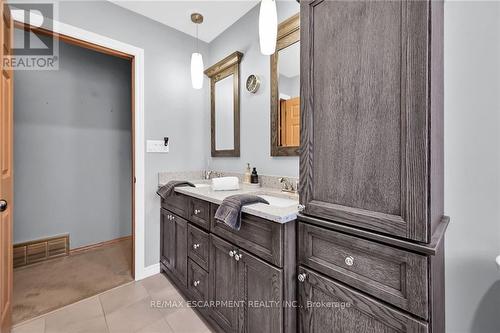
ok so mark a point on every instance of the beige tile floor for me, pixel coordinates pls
(127, 308)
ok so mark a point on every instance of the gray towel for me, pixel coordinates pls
(229, 211)
(168, 189)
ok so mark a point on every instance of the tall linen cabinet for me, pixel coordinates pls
(371, 233)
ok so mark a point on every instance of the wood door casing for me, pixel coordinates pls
(6, 171)
(365, 121)
(328, 306)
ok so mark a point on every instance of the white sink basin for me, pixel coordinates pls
(279, 202)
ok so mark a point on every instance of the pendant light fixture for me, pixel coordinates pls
(268, 26)
(196, 57)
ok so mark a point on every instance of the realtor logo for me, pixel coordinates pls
(35, 47)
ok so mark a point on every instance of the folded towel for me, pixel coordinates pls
(229, 211)
(225, 184)
(168, 189)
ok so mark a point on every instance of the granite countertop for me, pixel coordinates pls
(280, 212)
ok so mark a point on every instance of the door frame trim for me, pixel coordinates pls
(114, 47)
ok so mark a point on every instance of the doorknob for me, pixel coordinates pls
(3, 205)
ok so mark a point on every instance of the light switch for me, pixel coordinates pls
(157, 146)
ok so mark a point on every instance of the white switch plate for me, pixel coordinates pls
(157, 146)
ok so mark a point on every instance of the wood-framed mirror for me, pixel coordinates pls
(285, 89)
(225, 106)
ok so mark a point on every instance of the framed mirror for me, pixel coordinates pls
(225, 106)
(285, 90)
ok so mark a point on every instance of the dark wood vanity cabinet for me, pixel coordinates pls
(334, 307)
(173, 231)
(371, 233)
(259, 289)
(372, 114)
(248, 276)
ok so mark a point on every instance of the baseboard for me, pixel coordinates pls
(148, 271)
(97, 245)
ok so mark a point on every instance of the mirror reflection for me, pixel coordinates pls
(285, 89)
(289, 95)
(224, 115)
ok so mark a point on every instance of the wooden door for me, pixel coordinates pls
(6, 172)
(260, 287)
(223, 283)
(290, 122)
(174, 245)
(365, 116)
(327, 306)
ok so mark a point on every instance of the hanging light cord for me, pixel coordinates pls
(197, 48)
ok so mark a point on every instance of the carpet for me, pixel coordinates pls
(49, 285)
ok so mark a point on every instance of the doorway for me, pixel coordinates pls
(72, 179)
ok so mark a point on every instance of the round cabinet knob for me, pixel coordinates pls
(301, 277)
(231, 253)
(237, 257)
(3, 205)
(197, 211)
(349, 261)
(196, 283)
(196, 246)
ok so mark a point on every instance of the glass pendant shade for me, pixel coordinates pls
(268, 26)
(197, 70)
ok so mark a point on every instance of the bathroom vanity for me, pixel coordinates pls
(241, 280)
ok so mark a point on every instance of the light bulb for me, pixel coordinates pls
(268, 26)
(197, 70)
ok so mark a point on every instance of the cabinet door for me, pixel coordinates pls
(365, 121)
(328, 306)
(174, 245)
(223, 284)
(260, 287)
(167, 239)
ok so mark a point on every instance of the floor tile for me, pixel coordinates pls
(82, 317)
(168, 301)
(159, 326)
(123, 296)
(186, 321)
(33, 326)
(157, 283)
(133, 317)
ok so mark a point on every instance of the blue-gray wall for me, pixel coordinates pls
(172, 107)
(255, 109)
(72, 148)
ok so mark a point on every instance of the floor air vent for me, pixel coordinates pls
(39, 250)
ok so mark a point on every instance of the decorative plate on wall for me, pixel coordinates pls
(253, 83)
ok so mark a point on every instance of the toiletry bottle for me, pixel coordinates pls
(248, 175)
(255, 177)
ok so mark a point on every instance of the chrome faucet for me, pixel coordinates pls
(286, 185)
(209, 174)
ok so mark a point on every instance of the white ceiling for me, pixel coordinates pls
(218, 15)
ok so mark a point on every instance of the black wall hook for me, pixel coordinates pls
(166, 140)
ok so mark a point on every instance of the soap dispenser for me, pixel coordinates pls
(248, 175)
(254, 179)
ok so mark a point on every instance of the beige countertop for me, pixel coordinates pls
(283, 206)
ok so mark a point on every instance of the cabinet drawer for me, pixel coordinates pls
(197, 281)
(328, 306)
(396, 276)
(176, 203)
(256, 235)
(198, 246)
(199, 213)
